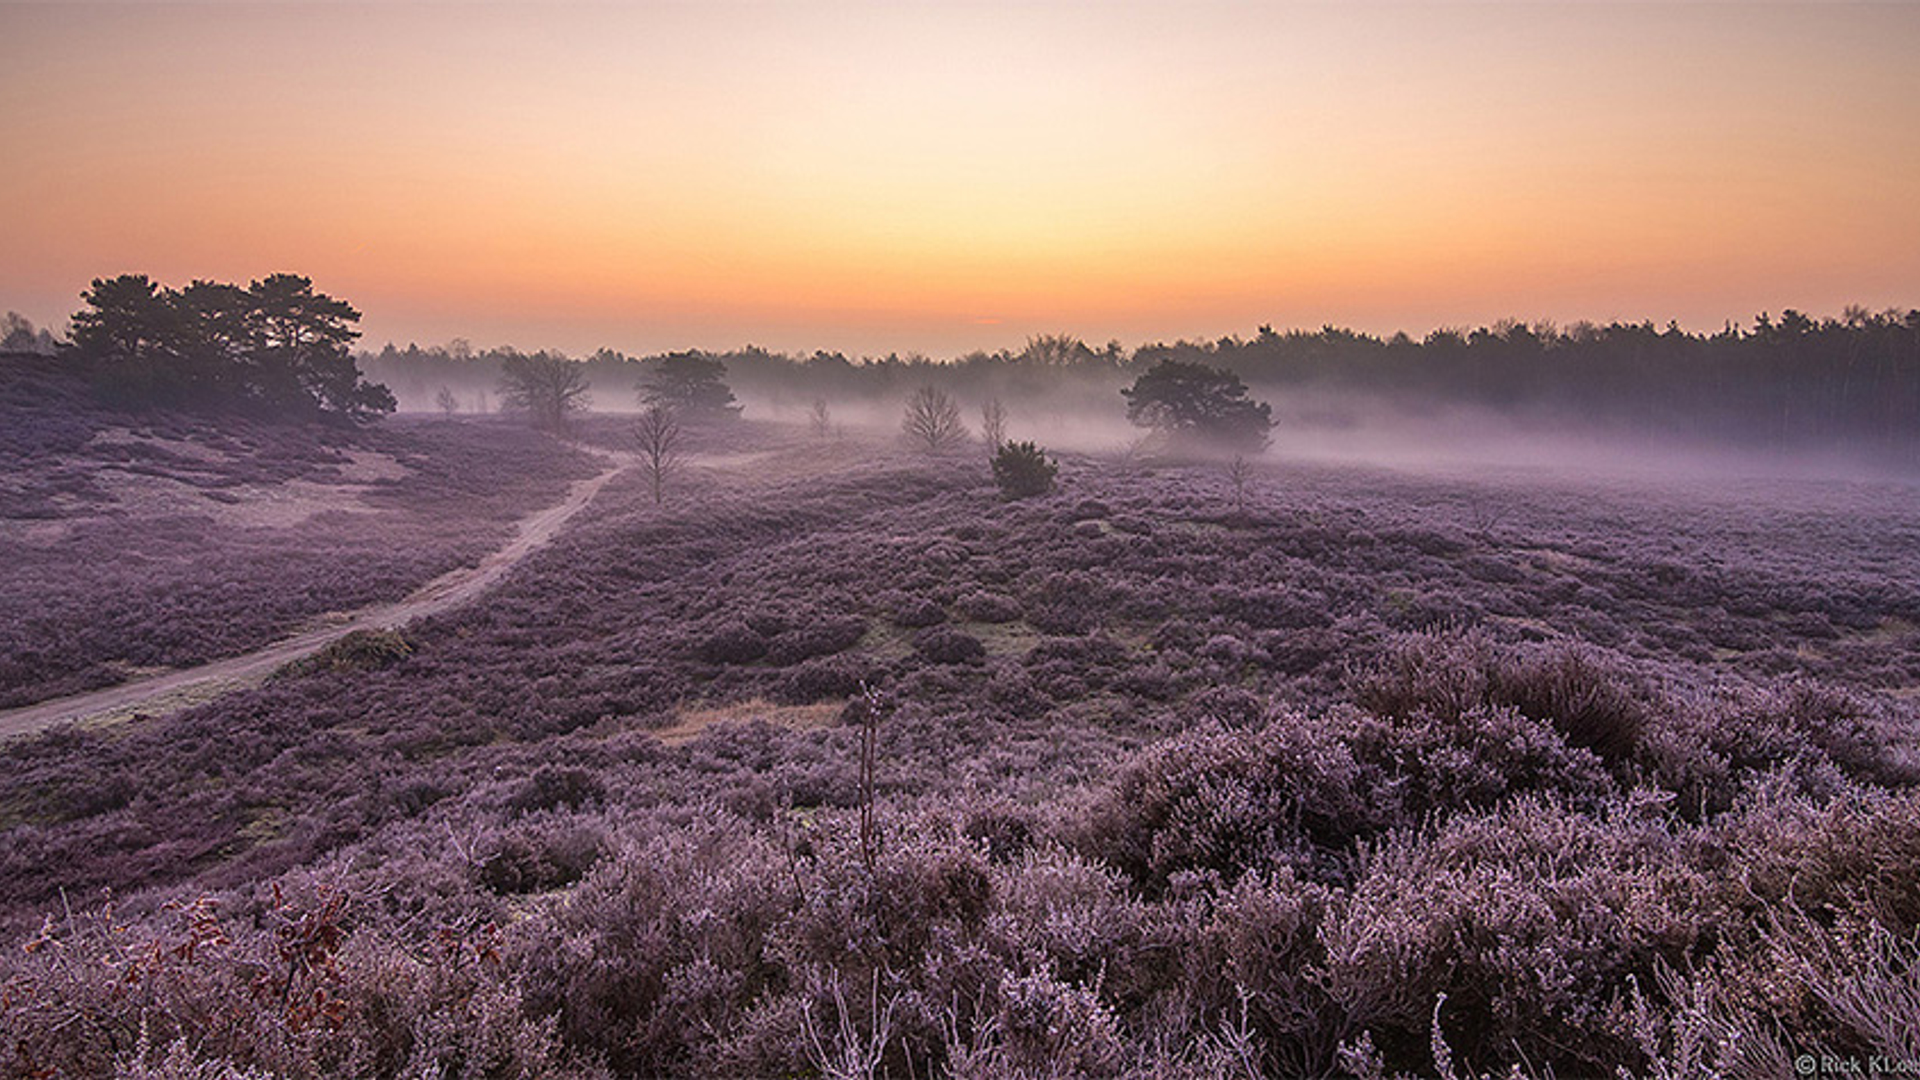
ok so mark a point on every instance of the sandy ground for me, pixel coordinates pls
(690, 722)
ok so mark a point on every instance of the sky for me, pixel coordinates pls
(942, 177)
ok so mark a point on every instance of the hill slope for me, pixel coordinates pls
(136, 542)
(1552, 774)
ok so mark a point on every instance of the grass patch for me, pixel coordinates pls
(690, 721)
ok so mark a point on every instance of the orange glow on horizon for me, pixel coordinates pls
(939, 178)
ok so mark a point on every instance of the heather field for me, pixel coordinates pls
(835, 763)
(140, 542)
(978, 540)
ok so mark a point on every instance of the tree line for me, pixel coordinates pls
(1791, 376)
(279, 344)
(1783, 377)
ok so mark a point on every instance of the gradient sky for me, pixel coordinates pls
(947, 176)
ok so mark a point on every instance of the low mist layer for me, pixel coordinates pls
(1799, 394)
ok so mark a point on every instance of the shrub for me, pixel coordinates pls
(1249, 894)
(989, 607)
(539, 859)
(1290, 795)
(824, 677)
(819, 637)
(550, 788)
(733, 643)
(360, 650)
(1478, 759)
(913, 612)
(1527, 927)
(1445, 675)
(945, 645)
(1022, 470)
(1853, 733)
(1005, 831)
(1067, 603)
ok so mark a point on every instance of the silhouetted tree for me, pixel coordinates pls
(692, 385)
(218, 345)
(819, 419)
(547, 387)
(1056, 350)
(128, 333)
(1198, 407)
(276, 342)
(447, 403)
(658, 434)
(933, 420)
(300, 339)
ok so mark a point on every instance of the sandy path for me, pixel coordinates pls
(160, 694)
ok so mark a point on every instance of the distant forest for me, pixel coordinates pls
(1782, 379)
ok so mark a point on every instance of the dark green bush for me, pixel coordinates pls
(1022, 470)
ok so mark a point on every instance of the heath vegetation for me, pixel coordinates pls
(838, 762)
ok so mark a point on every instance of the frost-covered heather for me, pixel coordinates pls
(1386, 775)
(168, 540)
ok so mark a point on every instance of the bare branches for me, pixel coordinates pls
(933, 420)
(545, 386)
(1239, 474)
(993, 424)
(657, 434)
(871, 706)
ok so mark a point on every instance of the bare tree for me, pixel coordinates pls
(819, 419)
(547, 386)
(1239, 474)
(933, 420)
(447, 403)
(658, 434)
(1483, 517)
(993, 424)
(1056, 350)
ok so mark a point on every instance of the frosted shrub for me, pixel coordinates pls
(1288, 795)
(1444, 675)
(1531, 921)
(657, 945)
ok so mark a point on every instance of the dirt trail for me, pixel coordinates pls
(164, 693)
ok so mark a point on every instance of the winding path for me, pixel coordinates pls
(159, 694)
